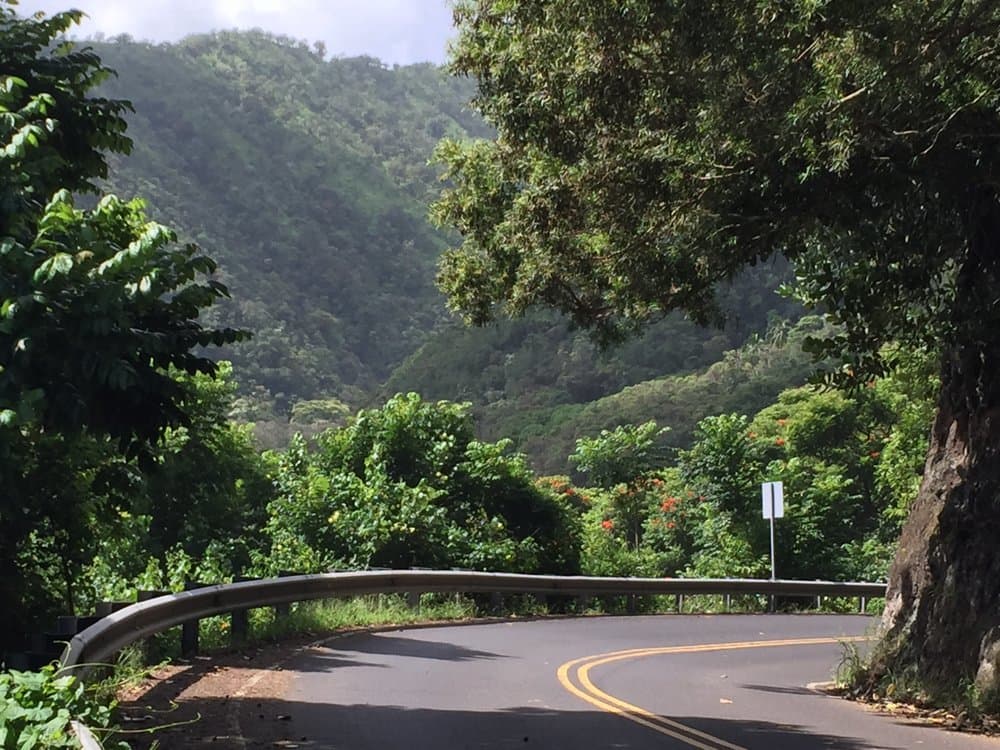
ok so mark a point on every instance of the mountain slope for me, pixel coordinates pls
(308, 180)
(296, 175)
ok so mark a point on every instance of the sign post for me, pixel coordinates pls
(773, 506)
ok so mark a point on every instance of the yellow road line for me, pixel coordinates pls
(639, 716)
(690, 736)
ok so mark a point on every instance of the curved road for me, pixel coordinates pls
(727, 682)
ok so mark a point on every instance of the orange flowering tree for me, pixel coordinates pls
(849, 464)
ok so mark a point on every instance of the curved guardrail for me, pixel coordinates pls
(141, 620)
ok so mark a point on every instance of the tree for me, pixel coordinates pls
(408, 485)
(98, 307)
(646, 151)
(619, 461)
(619, 456)
(208, 484)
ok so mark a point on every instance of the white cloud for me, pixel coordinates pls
(396, 31)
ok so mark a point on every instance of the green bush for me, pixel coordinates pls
(36, 709)
(407, 485)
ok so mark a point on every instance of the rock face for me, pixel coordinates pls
(942, 619)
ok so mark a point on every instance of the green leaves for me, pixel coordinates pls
(647, 152)
(406, 485)
(99, 311)
(9, 84)
(108, 307)
(60, 263)
(619, 456)
(36, 709)
(96, 304)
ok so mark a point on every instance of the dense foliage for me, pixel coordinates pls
(99, 310)
(121, 467)
(542, 383)
(646, 151)
(192, 497)
(309, 179)
(36, 708)
(408, 485)
(745, 379)
(838, 458)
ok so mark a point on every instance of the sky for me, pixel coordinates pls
(395, 31)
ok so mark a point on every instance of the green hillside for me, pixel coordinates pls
(308, 180)
(744, 380)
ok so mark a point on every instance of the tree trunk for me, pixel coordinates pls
(941, 625)
(11, 603)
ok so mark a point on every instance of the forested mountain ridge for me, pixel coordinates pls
(307, 179)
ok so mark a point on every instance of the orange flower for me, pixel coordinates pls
(779, 441)
(669, 504)
(782, 422)
(607, 524)
(671, 524)
(874, 454)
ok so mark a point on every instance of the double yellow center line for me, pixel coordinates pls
(575, 677)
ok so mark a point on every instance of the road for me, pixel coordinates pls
(727, 682)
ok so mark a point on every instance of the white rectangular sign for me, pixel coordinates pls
(773, 496)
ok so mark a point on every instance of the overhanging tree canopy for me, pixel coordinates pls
(648, 149)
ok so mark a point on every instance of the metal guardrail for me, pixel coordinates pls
(143, 619)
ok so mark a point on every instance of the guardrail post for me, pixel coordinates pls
(283, 610)
(679, 602)
(239, 621)
(103, 609)
(581, 603)
(496, 602)
(630, 604)
(729, 602)
(145, 596)
(413, 600)
(189, 629)
(862, 604)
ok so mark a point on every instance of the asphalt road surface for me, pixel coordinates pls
(727, 682)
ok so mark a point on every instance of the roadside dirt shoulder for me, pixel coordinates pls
(226, 702)
(955, 720)
(231, 701)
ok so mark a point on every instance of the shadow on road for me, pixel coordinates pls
(406, 647)
(781, 690)
(323, 659)
(314, 726)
